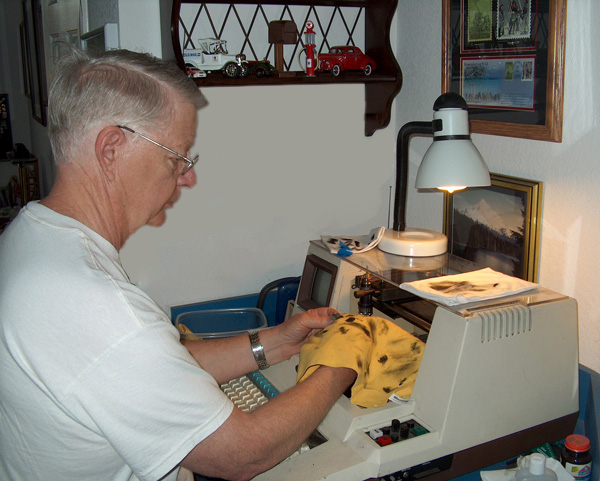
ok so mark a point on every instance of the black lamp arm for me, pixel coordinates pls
(406, 132)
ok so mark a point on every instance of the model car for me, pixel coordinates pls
(261, 68)
(194, 72)
(212, 56)
(345, 57)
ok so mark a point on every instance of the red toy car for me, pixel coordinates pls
(343, 58)
(194, 72)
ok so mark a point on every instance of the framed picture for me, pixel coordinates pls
(506, 58)
(497, 226)
(34, 55)
(25, 60)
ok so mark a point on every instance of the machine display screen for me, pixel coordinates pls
(320, 288)
(316, 286)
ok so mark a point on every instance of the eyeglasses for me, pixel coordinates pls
(189, 163)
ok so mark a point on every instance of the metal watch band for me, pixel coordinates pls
(258, 350)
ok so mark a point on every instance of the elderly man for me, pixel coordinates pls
(95, 383)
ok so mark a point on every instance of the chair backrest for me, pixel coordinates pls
(286, 289)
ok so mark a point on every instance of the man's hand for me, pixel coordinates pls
(295, 331)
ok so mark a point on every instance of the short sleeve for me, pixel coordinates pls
(151, 400)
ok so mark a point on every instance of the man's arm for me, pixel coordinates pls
(228, 358)
(225, 359)
(250, 443)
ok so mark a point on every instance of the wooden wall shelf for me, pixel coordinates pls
(381, 87)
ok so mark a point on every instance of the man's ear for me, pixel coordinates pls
(109, 149)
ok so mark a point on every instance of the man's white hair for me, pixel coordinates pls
(117, 87)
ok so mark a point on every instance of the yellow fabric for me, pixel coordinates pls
(187, 334)
(385, 357)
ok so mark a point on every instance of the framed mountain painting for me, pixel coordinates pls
(497, 226)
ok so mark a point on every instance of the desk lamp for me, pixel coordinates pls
(451, 163)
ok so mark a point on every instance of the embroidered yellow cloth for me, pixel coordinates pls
(385, 357)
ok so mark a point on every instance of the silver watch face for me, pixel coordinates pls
(258, 350)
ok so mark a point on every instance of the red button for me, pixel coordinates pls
(384, 440)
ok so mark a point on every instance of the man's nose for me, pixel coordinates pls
(188, 179)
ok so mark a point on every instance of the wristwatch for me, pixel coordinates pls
(258, 350)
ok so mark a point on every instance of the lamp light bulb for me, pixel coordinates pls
(452, 188)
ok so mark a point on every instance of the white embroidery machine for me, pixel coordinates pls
(497, 378)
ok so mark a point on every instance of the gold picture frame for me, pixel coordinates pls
(497, 226)
(479, 46)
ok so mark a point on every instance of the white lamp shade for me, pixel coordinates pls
(452, 163)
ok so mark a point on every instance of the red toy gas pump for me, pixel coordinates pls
(309, 45)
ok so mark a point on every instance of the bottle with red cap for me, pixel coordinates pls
(576, 457)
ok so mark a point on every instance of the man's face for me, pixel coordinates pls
(156, 185)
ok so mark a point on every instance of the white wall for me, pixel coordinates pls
(278, 166)
(569, 170)
(261, 196)
(140, 26)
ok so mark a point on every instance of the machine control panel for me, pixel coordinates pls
(396, 431)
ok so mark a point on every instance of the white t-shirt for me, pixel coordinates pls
(94, 383)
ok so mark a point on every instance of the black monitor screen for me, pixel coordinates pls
(316, 286)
